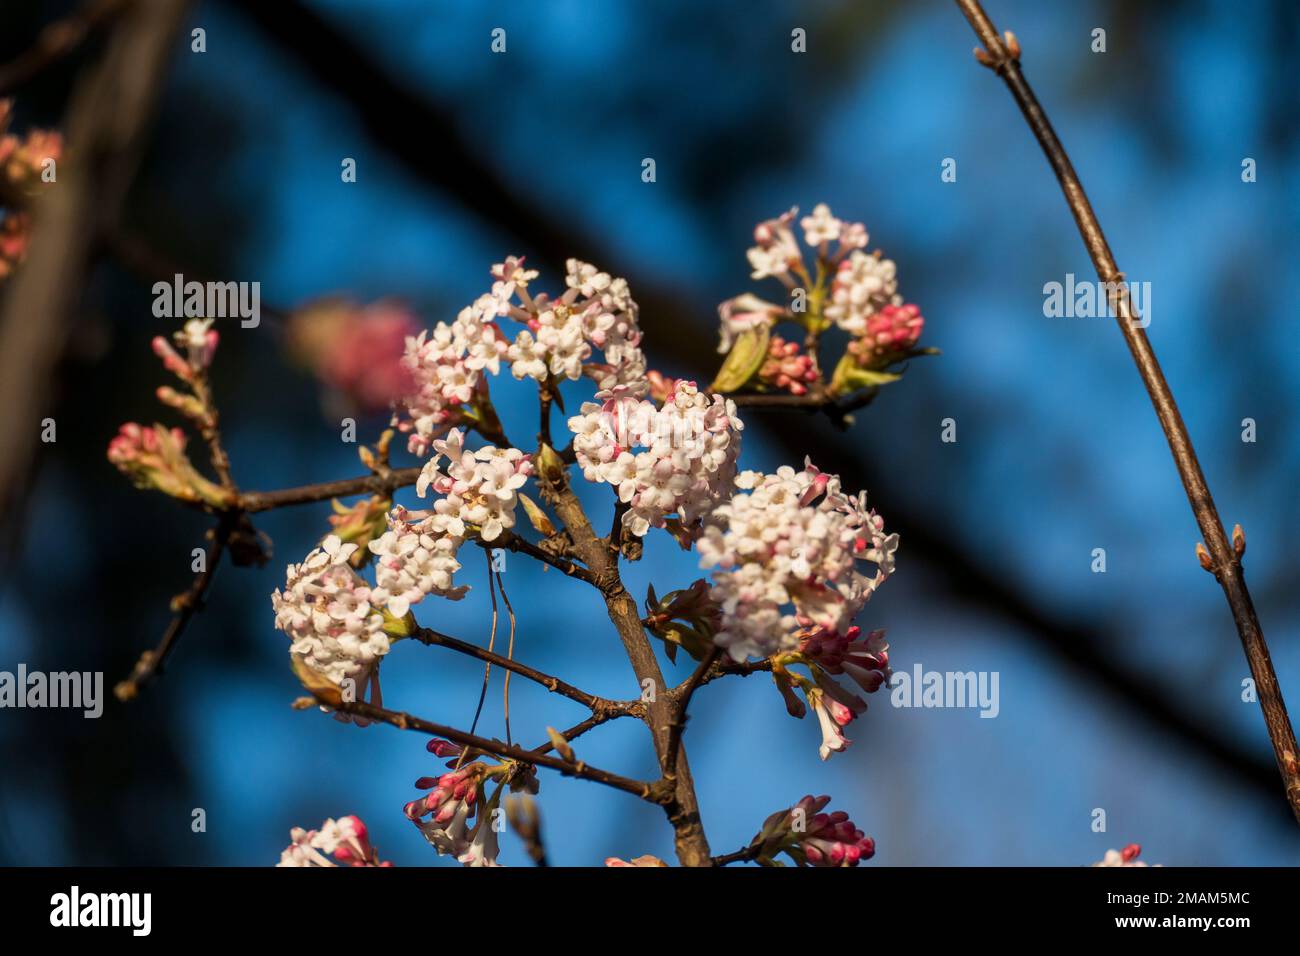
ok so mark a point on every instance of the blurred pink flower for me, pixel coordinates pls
(356, 350)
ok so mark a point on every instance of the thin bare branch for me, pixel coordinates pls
(184, 605)
(1001, 53)
(372, 484)
(404, 721)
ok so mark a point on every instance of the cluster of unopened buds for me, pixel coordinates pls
(811, 837)
(863, 658)
(154, 456)
(453, 817)
(25, 163)
(356, 350)
(889, 335)
(786, 368)
(845, 287)
(341, 842)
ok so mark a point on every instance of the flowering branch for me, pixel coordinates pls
(786, 546)
(846, 288)
(1223, 560)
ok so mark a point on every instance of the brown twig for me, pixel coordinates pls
(680, 803)
(184, 605)
(817, 401)
(602, 716)
(545, 398)
(433, 638)
(513, 542)
(404, 721)
(682, 695)
(210, 429)
(1002, 54)
(743, 855)
(372, 484)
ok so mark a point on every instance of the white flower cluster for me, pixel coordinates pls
(596, 311)
(326, 610)
(414, 558)
(864, 284)
(479, 488)
(446, 365)
(334, 617)
(675, 460)
(786, 549)
(776, 252)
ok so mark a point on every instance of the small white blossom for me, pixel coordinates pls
(511, 278)
(821, 226)
(484, 848)
(776, 251)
